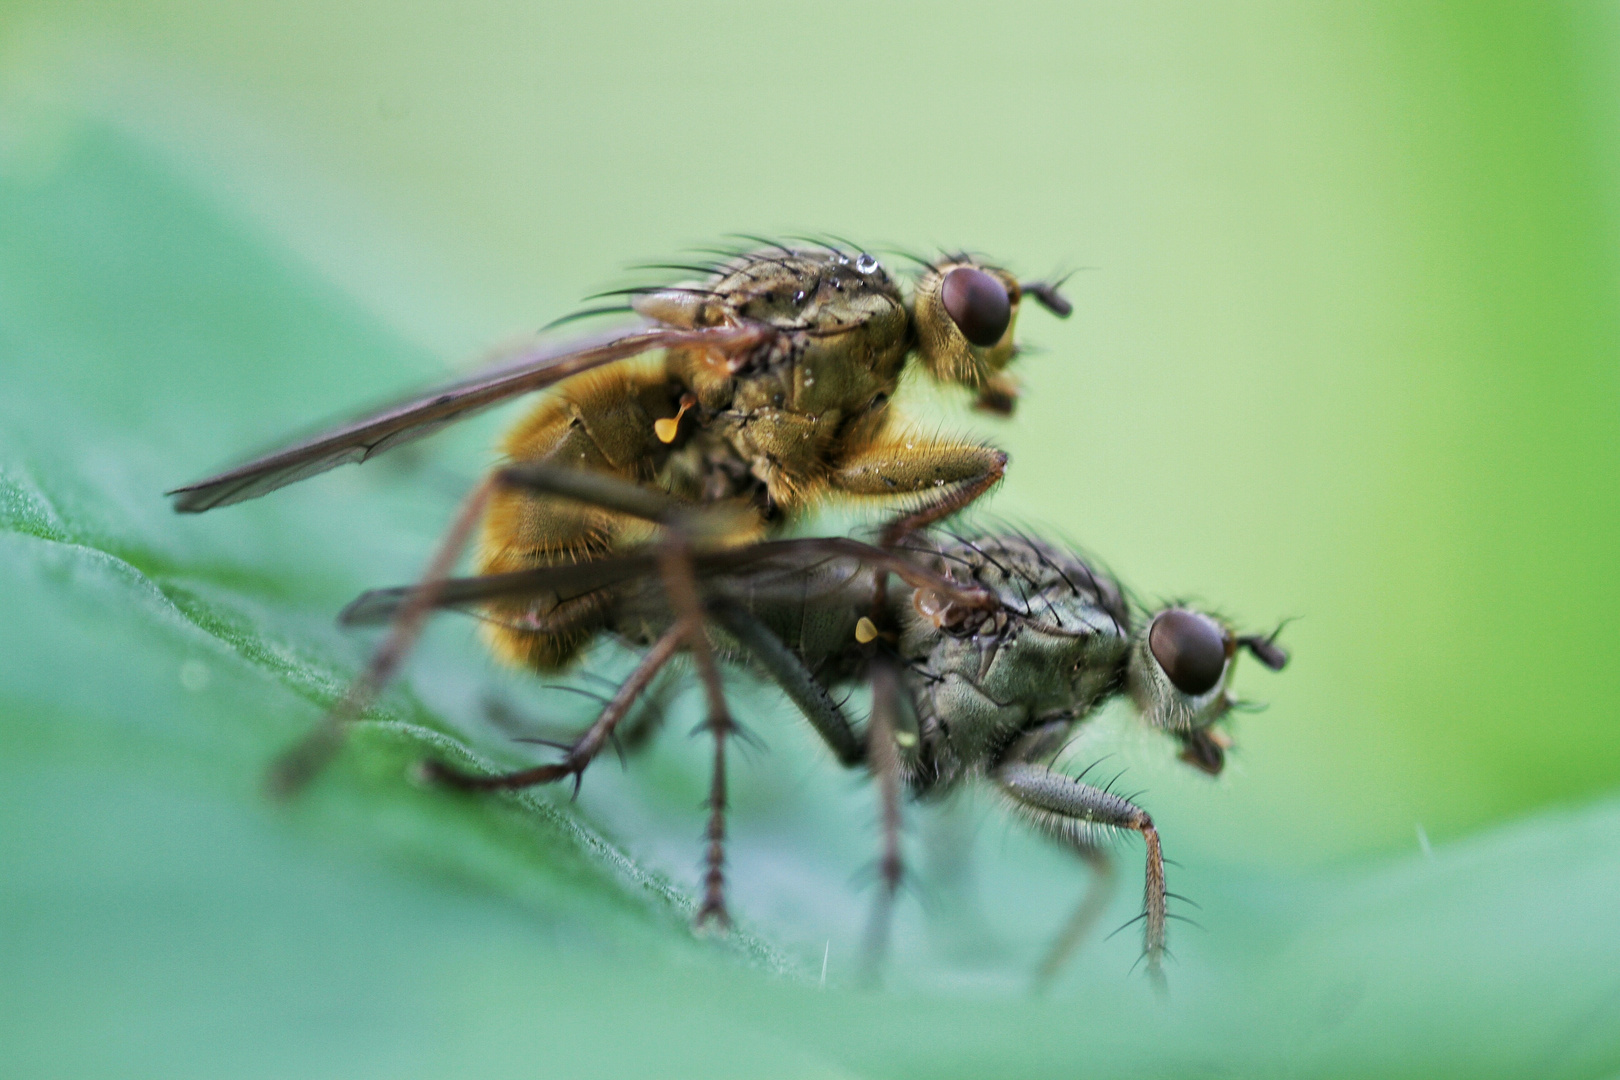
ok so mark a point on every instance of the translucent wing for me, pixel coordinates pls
(371, 435)
(759, 563)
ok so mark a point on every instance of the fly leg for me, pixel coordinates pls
(630, 736)
(680, 585)
(1080, 815)
(588, 745)
(297, 766)
(1041, 744)
(684, 525)
(796, 681)
(1091, 908)
(884, 760)
(878, 751)
(646, 721)
(940, 478)
(936, 478)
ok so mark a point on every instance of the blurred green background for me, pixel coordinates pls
(1344, 349)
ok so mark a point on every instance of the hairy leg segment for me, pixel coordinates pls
(1080, 815)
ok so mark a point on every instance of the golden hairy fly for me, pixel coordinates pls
(764, 384)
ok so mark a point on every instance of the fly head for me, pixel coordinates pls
(965, 311)
(1179, 676)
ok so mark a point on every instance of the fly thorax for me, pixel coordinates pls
(838, 314)
(1051, 646)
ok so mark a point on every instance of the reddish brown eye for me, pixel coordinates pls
(1190, 648)
(977, 303)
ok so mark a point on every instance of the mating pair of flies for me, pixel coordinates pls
(645, 495)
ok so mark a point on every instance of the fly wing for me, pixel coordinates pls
(371, 435)
(382, 605)
(761, 568)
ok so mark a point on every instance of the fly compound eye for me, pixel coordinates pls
(977, 303)
(1190, 648)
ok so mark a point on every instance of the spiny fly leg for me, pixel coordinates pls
(587, 746)
(1079, 815)
(883, 759)
(298, 765)
(681, 587)
(799, 683)
(941, 478)
(1090, 909)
